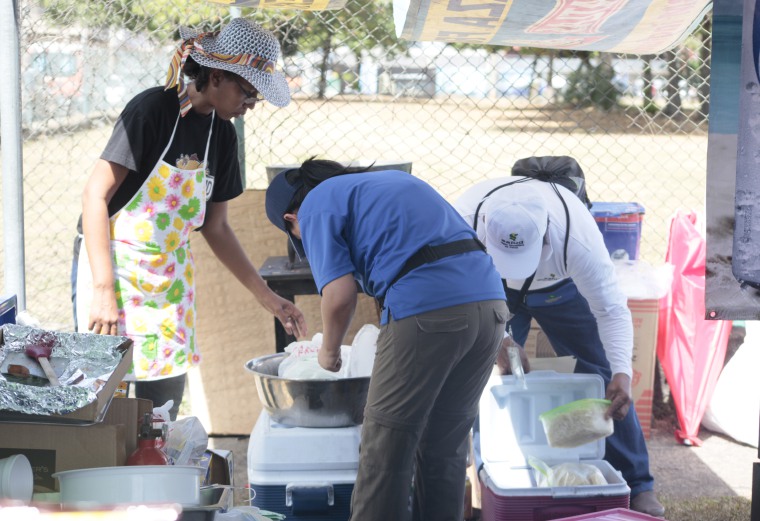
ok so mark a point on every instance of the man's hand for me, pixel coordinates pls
(619, 393)
(329, 359)
(502, 358)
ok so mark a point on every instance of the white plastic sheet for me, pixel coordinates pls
(735, 405)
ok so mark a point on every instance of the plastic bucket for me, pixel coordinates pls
(16, 478)
(620, 224)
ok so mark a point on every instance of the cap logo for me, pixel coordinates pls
(513, 243)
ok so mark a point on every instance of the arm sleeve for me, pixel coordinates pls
(326, 248)
(594, 275)
(229, 180)
(130, 140)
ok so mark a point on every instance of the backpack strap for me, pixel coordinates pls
(521, 296)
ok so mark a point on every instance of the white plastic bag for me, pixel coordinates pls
(302, 362)
(186, 441)
(735, 403)
(363, 350)
(162, 413)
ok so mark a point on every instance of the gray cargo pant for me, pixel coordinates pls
(429, 372)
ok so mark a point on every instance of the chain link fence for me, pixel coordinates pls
(460, 114)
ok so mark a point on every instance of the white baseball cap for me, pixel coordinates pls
(515, 225)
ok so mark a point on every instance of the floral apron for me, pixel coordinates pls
(154, 268)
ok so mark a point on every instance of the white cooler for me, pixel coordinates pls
(308, 474)
(510, 431)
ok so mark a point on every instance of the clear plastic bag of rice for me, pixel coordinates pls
(577, 423)
(568, 474)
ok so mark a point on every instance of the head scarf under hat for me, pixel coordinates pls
(242, 47)
(515, 225)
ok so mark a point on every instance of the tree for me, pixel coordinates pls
(161, 18)
(591, 85)
(360, 25)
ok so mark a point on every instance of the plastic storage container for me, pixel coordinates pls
(144, 484)
(510, 432)
(620, 224)
(308, 474)
(615, 514)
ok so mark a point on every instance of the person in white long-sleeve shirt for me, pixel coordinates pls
(556, 269)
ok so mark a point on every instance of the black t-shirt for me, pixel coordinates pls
(143, 131)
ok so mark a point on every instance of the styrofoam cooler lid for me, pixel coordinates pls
(607, 209)
(510, 428)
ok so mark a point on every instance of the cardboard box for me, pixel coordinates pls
(537, 344)
(219, 467)
(53, 448)
(95, 411)
(128, 412)
(645, 316)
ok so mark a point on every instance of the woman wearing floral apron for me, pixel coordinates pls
(169, 169)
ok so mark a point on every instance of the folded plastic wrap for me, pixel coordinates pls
(90, 360)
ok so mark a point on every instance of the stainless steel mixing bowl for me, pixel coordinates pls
(308, 403)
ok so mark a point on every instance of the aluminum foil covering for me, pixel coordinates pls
(90, 361)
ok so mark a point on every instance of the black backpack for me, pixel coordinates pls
(562, 170)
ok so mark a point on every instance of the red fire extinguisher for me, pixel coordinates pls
(149, 442)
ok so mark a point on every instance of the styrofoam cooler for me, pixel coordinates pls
(308, 474)
(511, 431)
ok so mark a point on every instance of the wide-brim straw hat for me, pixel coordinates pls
(246, 49)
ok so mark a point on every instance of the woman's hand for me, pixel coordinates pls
(104, 312)
(288, 314)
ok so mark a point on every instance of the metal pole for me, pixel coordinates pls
(10, 134)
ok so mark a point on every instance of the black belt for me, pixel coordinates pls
(428, 254)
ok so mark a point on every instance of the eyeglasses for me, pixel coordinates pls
(251, 96)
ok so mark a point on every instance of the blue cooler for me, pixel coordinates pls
(7, 309)
(307, 474)
(620, 224)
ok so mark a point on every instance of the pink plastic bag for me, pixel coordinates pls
(690, 348)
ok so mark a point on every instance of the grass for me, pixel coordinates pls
(733, 508)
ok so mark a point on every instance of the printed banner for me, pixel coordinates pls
(621, 26)
(302, 5)
(733, 188)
